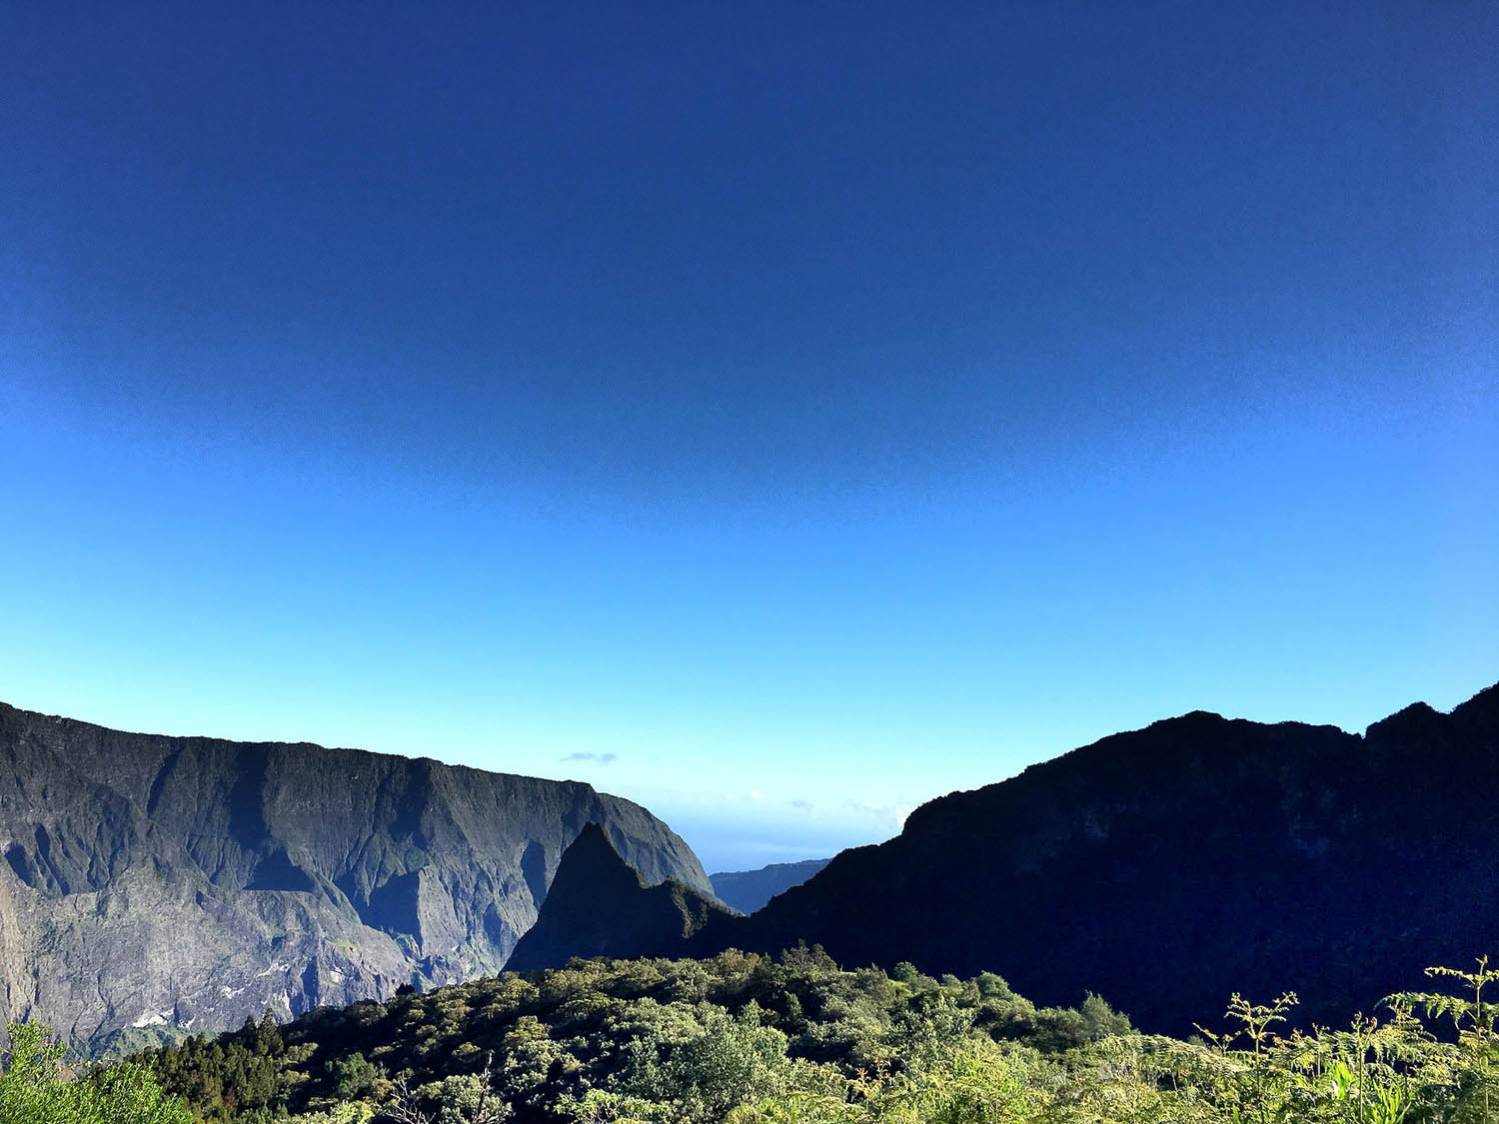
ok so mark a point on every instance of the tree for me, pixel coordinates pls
(38, 1087)
(353, 1076)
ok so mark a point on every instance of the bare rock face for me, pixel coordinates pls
(154, 884)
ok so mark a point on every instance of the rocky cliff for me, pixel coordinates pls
(153, 883)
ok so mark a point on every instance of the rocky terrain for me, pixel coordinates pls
(153, 884)
(1168, 867)
(748, 890)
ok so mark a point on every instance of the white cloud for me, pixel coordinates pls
(889, 815)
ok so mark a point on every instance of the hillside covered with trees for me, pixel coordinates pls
(756, 1040)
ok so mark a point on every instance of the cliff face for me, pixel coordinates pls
(153, 882)
(1172, 866)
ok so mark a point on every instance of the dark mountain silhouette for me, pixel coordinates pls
(1169, 867)
(598, 906)
(748, 890)
(151, 883)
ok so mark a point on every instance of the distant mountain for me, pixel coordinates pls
(153, 883)
(748, 890)
(1169, 867)
(598, 906)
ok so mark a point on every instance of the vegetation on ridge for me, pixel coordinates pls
(749, 1039)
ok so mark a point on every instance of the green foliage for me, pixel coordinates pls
(353, 1076)
(38, 1087)
(749, 1039)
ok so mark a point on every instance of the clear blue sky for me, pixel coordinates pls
(779, 414)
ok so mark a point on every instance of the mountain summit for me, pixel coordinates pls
(153, 883)
(598, 906)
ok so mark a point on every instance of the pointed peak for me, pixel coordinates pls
(594, 840)
(592, 835)
(1408, 722)
(592, 859)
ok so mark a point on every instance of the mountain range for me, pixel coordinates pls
(1164, 869)
(158, 884)
(154, 885)
(749, 890)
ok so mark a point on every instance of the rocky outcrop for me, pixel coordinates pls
(749, 890)
(153, 883)
(598, 906)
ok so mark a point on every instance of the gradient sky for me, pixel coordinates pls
(777, 414)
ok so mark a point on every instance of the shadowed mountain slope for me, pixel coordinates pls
(1171, 866)
(598, 906)
(153, 882)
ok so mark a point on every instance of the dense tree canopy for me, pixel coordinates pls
(750, 1039)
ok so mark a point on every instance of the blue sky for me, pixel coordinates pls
(778, 414)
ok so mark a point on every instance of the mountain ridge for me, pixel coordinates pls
(1167, 867)
(749, 890)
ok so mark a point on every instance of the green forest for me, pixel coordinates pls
(749, 1039)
